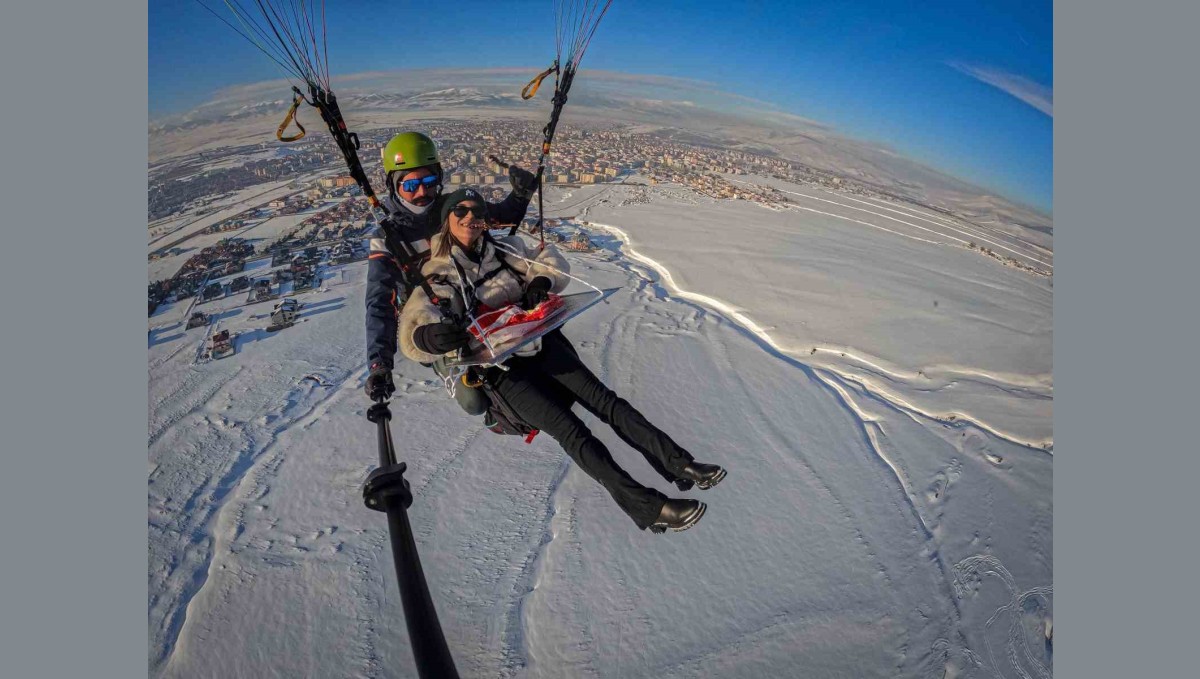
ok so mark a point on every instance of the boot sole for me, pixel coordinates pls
(705, 485)
(662, 528)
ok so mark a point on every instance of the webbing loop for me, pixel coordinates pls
(531, 89)
(291, 118)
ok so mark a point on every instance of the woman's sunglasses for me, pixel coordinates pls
(461, 211)
(411, 185)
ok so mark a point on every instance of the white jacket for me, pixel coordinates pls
(502, 288)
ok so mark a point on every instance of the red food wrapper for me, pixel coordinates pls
(511, 322)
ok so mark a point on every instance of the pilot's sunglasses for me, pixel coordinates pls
(461, 211)
(411, 185)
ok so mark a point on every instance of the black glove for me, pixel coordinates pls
(440, 338)
(536, 292)
(379, 383)
(523, 182)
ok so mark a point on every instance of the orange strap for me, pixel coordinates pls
(531, 89)
(291, 118)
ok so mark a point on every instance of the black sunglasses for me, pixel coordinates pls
(461, 211)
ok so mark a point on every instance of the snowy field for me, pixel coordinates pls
(888, 295)
(887, 513)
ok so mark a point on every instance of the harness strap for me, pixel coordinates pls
(410, 265)
(504, 263)
(548, 266)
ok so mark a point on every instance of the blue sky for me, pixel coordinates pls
(963, 86)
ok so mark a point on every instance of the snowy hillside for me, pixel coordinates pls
(876, 521)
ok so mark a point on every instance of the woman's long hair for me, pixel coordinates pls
(446, 240)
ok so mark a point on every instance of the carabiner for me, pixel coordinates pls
(477, 383)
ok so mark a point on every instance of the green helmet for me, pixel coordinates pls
(408, 151)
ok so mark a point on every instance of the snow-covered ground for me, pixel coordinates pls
(888, 295)
(885, 512)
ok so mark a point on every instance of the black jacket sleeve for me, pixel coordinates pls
(384, 280)
(511, 210)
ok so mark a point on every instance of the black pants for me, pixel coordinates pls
(542, 389)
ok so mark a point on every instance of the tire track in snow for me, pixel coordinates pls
(968, 575)
(156, 364)
(442, 465)
(573, 567)
(214, 510)
(515, 650)
(366, 576)
(901, 221)
(869, 428)
(933, 546)
(626, 326)
(779, 441)
(959, 228)
(191, 403)
(1016, 385)
(909, 210)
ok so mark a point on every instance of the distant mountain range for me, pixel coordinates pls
(644, 98)
(679, 107)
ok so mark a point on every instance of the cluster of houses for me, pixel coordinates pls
(232, 224)
(343, 220)
(300, 268)
(220, 343)
(304, 269)
(222, 259)
(292, 205)
(578, 242)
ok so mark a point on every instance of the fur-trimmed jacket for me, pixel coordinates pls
(493, 289)
(386, 287)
